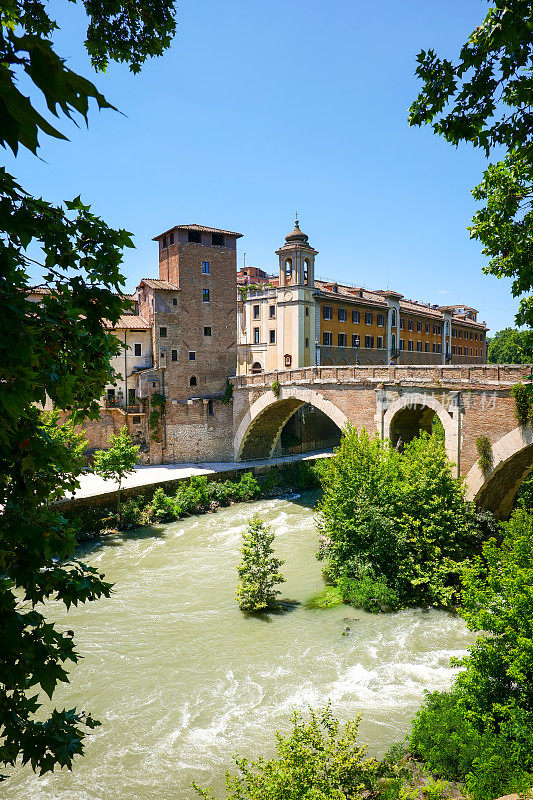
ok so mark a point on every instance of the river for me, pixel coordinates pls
(181, 679)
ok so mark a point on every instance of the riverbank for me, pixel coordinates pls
(96, 491)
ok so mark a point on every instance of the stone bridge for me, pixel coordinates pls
(397, 402)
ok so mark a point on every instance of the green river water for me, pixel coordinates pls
(181, 679)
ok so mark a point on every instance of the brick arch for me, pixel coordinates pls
(512, 459)
(412, 399)
(259, 431)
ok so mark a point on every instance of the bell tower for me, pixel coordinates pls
(297, 259)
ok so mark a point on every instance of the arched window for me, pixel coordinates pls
(447, 328)
(393, 343)
(193, 381)
(393, 321)
(306, 270)
(288, 267)
(256, 368)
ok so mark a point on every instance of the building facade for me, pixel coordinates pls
(293, 319)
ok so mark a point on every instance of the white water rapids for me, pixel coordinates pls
(181, 679)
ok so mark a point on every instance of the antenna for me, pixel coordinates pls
(244, 260)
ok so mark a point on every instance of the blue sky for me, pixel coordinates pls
(261, 109)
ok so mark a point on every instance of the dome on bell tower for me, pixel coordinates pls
(296, 235)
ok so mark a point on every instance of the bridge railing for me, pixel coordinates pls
(419, 373)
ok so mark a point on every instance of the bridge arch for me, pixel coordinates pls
(260, 429)
(413, 412)
(512, 460)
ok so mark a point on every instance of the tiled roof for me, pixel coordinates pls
(42, 289)
(130, 322)
(461, 320)
(411, 307)
(155, 283)
(350, 294)
(196, 227)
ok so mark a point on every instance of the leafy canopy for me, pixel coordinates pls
(484, 98)
(118, 460)
(483, 729)
(394, 526)
(55, 349)
(510, 346)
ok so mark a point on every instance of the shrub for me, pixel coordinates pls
(484, 449)
(132, 513)
(369, 593)
(259, 569)
(317, 761)
(161, 507)
(248, 488)
(276, 388)
(192, 496)
(222, 491)
(522, 400)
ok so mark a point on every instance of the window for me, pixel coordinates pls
(174, 301)
(207, 330)
(342, 315)
(256, 368)
(288, 268)
(342, 340)
(205, 268)
(434, 347)
(355, 340)
(256, 335)
(460, 351)
(306, 270)
(476, 337)
(471, 335)
(439, 348)
(402, 344)
(192, 355)
(419, 327)
(426, 347)
(205, 295)
(454, 350)
(410, 345)
(326, 338)
(393, 343)
(210, 410)
(476, 351)
(419, 347)
(460, 336)
(480, 337)
(368, 317)
(369, 342)
(194, 236)
(137, 349)
(410, 325)
(163, 333)
(356, 317)
(192, 381)
(379, 343)
(307, 342)
(136, 420)
(272, 312)
(380, 320)
(439, 330)
(402, 323)
(164, 241)
(174, 355)
(393, 319)
(434, 330)
(427, 327)
(454, 333)
(256, 312)
(217, 239)
(272, 337)
(327, 312)
(171, 238)
(307, 311)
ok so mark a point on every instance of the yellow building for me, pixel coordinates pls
(293, 320)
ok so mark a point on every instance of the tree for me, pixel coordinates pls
(511, 347)
(116, 462)
(395, 528)
(484, 98)
(259, 569)
(58, 349)
(483, 729)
